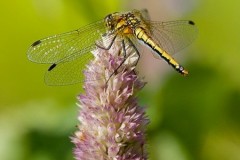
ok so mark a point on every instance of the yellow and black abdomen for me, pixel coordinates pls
(142, 35)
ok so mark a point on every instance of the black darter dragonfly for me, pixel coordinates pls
(68, 53)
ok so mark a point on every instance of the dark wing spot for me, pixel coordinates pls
(36, 43)
(52, 66)
(191, 22)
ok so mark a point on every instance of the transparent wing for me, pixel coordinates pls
(70, 69)
(59, 47)
(173, 36)
(68, 72)
(145, 14)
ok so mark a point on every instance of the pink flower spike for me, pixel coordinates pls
(112, 124)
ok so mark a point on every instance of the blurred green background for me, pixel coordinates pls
(192, 118)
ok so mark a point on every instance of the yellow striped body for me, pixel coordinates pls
(134, 24)
(160, 53)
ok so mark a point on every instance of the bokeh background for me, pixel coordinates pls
(192, 118)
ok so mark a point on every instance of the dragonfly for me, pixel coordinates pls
(68, 53)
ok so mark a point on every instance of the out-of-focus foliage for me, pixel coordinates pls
(192, 118)
(36, 120)
(198, 117)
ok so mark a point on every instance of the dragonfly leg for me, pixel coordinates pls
(136, 50)
(124, 51)
(125, 57)
(109, 46)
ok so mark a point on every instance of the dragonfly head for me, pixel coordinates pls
(111, 20)
(122, 22)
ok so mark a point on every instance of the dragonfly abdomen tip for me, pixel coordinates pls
(184, 72)
(181, 70)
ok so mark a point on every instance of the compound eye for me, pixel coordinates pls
(108, 17)
(109, 21)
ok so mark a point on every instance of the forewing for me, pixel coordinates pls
(59, 47)
(173, 36)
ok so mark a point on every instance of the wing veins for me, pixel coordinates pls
(56, 47)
